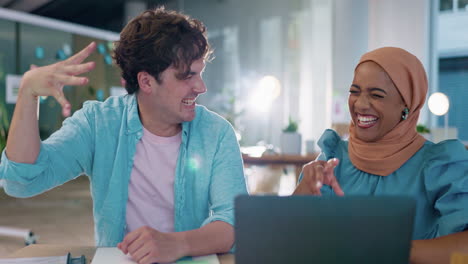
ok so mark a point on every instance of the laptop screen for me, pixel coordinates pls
(332, 230)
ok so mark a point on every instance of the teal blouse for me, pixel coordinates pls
(436, 176)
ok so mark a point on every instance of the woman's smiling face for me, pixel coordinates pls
(374, 102)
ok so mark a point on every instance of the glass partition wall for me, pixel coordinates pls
(29, 40)
(8, 63)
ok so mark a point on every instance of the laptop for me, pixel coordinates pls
(323, 230)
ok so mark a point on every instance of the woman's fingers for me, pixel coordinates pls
(313, 176)
(333, 162)
(330, 176)
(336, 187)
(318, 172)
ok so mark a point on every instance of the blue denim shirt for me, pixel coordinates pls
(100, 141)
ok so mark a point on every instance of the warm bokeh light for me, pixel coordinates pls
(438, 104)
(266, 91)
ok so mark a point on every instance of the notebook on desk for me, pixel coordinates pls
(113, 255)
(332, 230)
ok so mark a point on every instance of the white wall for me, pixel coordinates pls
(401, 23)
(350, 40)
(363, 25)
(315, 89)
(404, 24)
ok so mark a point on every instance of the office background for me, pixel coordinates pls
(305, 50)
(309, 46)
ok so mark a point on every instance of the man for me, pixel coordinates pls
(164, 172)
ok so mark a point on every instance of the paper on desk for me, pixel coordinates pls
(36, 260)
(105, 255)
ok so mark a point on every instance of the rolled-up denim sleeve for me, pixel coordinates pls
(227, 180)
(65, 155)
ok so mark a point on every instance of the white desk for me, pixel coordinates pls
(46, 250)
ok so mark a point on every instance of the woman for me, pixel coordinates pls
(386, 156)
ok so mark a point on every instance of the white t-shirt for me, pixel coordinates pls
(151, 189)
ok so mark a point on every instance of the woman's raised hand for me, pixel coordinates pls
(317, 173)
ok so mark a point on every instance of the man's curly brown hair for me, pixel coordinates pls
(157, 39)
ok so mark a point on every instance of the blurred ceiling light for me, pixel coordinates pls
(266, 91)
(438, 104)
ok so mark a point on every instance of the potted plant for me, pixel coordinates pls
(424, 131)
(291, 140)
